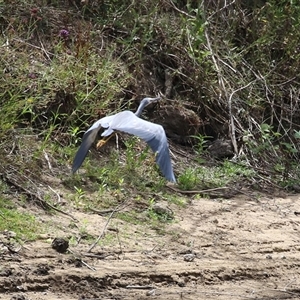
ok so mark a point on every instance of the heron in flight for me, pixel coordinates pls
(129, 122)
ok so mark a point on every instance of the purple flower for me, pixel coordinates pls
(32, 76)
(64, 33)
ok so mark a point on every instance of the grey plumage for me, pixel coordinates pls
(129, 122)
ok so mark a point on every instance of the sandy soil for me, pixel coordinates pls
(232, 249)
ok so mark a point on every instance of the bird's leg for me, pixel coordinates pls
(103, 141)
(117, 142)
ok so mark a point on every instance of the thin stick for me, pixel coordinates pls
(103, 231)
(104, 212)
(45, 203)
(82, 261)
(33, 46)
(44, 50)
(232, 127)
(57, 194)
(140, 287)
(91, 268)
(48, 161)
(196, 192)
(181, 11)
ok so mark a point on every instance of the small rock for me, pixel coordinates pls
(163, 209)
(296, 188)
(44, 236)
(60, 245)
(5, 272)
(9, 234)
(151, 292)
(181, 283)
(189, 257)
(42, 270)
(221, 149)
(269, 256)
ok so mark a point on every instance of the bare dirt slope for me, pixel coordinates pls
(232, 249)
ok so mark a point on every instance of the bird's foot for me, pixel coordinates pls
(101, 143)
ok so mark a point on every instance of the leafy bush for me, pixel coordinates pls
(236, 65)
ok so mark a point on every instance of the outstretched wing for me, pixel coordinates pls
(87, 141)
(153, 134)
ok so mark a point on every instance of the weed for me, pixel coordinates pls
(201, 142)
(217, 176)
(23, 224)
(154, 216)
(56, 82)
(79, 197)
(178, 200)
(188, 179)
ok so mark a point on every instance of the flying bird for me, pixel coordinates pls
(126, 121)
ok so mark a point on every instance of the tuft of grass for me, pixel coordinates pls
(203, 177)
(24, 225)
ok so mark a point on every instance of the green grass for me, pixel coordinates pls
(23, 224)
(53, 89)
(221, 175)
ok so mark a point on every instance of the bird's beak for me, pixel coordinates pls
(155, 100)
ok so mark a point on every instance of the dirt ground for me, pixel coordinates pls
(242, 248)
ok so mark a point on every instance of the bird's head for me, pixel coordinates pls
(146, 101)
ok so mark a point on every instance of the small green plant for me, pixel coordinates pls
(188, 179)
(176, 199)
(159, 217)
(264, 141)
(134, 158)
(210, 177)
(79, 197)
(131, 155)
(201, 142)
(24, 225)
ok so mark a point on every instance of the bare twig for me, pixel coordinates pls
(57, 194)
(196, 192)
(47, 159)
(33, 46)
(91, 268)
(119, 241)
(97, 255)
(140, 287)
(104, 228)
(44, 50)
(213, 56)
(105, 211)
(232, 127)
(36, 196)
(181, 11)
(222, 8)
(82, 261)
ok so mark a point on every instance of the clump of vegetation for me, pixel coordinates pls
(227, 174)
(22, 225)
(66, 64)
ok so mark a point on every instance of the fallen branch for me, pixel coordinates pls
(57, 194)
(82, 261)
(140, 287)
(105, 211)
(197, 192)
(34, 195)
(104, 228)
